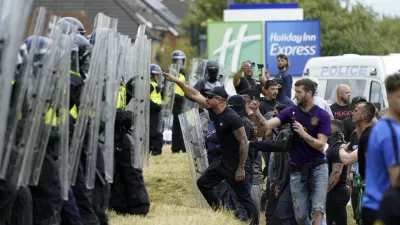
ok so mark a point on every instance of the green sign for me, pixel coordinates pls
(231, 43)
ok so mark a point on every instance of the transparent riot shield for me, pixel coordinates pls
(49, 129)
(102, 106)
(165, 122)
(225, 73)
(12, 26)
(196, 72)
(195, 148)
(89, 101)
(141, 101)
(28, 109)
(66, 46)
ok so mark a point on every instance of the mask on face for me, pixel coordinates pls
(212, 75)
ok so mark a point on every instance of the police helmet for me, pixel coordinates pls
(178, 55)
(155, 69)
(77, 23)
(212, 63)
(42, 42)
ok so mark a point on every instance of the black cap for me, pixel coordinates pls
(236, 100)
(218, 91)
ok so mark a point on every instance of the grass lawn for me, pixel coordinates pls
(169, 186)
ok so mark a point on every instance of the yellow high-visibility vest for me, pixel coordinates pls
(121, 103)
(154, 95)
(178, 89)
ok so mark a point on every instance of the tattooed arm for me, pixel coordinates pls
(240, 135)
(262, 124)
(335, 175)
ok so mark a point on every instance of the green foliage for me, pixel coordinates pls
(181, 44)
(358, 30)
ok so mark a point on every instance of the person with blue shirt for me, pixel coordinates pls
(283, 66)
(308, 166)
(383, 160)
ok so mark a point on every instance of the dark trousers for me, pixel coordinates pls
(354, 202)
(272, 203)
(46, 196)
(21, 212)
(83, 199)
(8, 193)
(156, 141)
(217, 172)
(128, 192)
(368, 216)
(336, 202)
(177, 138)
(101, 191)
(389, 212)
(70, 212)
(284, 213)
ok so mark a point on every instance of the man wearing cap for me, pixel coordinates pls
(247, 84)
(234, 144)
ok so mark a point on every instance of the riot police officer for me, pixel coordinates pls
(179, 58)
(156, 138)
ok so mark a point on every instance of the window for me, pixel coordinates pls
(375, 95)
(357, 88)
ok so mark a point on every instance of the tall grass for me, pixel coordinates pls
(169, 185)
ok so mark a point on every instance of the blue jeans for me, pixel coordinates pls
(301, 194)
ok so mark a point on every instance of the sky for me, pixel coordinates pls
(391, 7)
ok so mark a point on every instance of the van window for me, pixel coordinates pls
(357, 88)
(375, 94)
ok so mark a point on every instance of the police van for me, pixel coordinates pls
(364, 74)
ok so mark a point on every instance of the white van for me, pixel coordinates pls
(364, 74)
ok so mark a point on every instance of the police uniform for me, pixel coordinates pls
(128, 192)
(156, 138)
(177, 139)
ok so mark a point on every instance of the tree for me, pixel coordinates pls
(356, 30)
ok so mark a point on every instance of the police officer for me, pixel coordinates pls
(179, 58)
(128, 192)
(156, 138)
(83, 196)
(212, 78)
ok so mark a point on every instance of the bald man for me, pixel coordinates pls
(341, 108)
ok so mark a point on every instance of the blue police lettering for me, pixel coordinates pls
(344, 71)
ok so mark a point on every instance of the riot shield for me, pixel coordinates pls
(165, 122)
(196, 150)
(105, 86)
(12, 25)
(225, 73)
(59, 73)
(196, 72)
(32, 96)
(141, 102)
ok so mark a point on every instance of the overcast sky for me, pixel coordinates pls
(391, 7)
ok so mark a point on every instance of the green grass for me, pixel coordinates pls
(169, 185)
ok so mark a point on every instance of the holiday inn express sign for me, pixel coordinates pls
(233, 42)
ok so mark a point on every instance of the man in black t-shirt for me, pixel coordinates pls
(349, 127)
(247, 84)
(342, 107)
(338, 193)
(234, 144)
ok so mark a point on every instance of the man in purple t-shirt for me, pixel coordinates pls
(308, 166)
